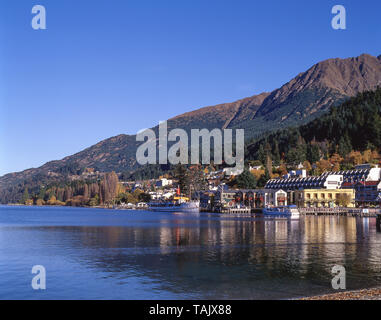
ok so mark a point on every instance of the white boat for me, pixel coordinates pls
(179, 205)
(282, 211)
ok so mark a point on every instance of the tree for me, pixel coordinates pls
(94, 201)
(323, 166)
(276, 154)
(40, 202)
(345, 146)
(307, 166)
(343, 200)
(336, 160)
(182, 177)
(144, 197)
(109, 187)
(263, 180)
(375, 158)
(313, 153)
(196, 178)
(261, 154)
(367, 156)
(355, 157)
(246, 180)
(25, 196)
(269, 164)
(52, 201)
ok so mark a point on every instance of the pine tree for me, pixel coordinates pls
(25, 196)
(180, 174)
(246, 180)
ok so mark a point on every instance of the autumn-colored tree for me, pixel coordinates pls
(94, 201)
(375, 158)
(52, 201)
(77, 201)
(68, 193)
(343, 200)
(109, 187)
(355, 157)
(94, 190)
(86, 193)
(60, 194)
(257, 173)
(40, 202)
(307, 166)
(269, 164)
(120, 189)
(336, 160)
(367, 156)
(323, 166)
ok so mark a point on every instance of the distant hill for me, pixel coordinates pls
(307, 96)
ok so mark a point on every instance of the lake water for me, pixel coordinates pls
(116, 254)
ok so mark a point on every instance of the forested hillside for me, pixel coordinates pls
(355, 125)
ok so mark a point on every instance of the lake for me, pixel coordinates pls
(118, 254)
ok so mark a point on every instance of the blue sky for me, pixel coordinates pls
(104, 68)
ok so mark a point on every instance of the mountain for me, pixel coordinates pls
(354, 125)
(307, 96)
(313, 92)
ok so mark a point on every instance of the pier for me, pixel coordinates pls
(236, 210)
(337, 211)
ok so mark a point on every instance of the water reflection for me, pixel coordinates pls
(208, 256)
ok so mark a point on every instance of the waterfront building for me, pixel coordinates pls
(363, 172)
(273, 197)
(368, 193)
(329, 181)
(253, 198)
(329, 198)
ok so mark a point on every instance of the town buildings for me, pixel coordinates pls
(358, 187)
(368, 193)
(328, 198)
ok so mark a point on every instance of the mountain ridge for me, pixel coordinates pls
(303, 98)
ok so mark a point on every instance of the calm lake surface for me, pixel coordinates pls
(116, 254)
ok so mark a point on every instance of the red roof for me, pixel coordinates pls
(369, 183)
(348, 184)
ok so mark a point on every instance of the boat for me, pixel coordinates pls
(282, 211)
(179, 204)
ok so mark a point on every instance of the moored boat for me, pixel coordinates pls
(282, 211)
(179, 204)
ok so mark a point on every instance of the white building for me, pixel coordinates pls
(164, 182)
(296, 173)
(273, 198)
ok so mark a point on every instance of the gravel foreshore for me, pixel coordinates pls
(365, 294)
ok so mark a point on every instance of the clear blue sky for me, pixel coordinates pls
(108, 67)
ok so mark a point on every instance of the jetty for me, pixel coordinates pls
(339, 211)
(236, 210)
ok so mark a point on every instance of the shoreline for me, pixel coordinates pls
(361, 294)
